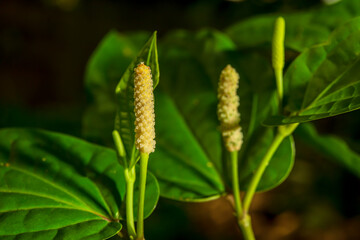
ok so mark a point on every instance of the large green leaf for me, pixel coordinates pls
(106, 66)
(181, 164)
(303, 29)
(188, 161)
(202, 45)
(55, 186)
(107, 119)
(125, 116)
(209, 51)
(332, 147)
(152, 194)
(279, 167)
(187, 114)
(323, 81)
(257, 101)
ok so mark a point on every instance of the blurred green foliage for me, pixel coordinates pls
(77, 32)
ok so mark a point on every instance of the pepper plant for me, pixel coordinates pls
(55, 186)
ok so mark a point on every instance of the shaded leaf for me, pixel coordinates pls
(259, 102)
(303, 29)
(180, 163)
(191, 91)
(202, 45)
(106, 66)
(322, 81)
(332, 147)
(187, 132)
(257, 91)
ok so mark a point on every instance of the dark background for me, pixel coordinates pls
(44, 48)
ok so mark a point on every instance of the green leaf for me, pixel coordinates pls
(125, 116)
(257, 91)
(202, 45)
(322, 81)
(152, 194)
(332, 147)
(186, 113)
(206, 63)
(303, 29)
(187, 132)
(279, 167)
(186, 124)
(56, 186)
(107, 119)
(182, 166)
(106, 66)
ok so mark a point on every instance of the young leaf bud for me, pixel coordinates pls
(144, 109)
(228, 113)
(278, 56)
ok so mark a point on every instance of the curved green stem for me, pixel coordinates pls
(283, 131)
(144, 157)
(130, 176)
(235, 182)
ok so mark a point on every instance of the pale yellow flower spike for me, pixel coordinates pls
(228, 113)
(144, 109)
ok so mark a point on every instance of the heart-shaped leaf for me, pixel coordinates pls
(181, 164)
(279, 167)
(257, 101)
(191, 96)
(322, 81)
(188, 161)
(56, 186)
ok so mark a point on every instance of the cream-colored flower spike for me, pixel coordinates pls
(228, 113)
(144, 109)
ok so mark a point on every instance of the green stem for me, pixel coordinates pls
(283, 132)
(144, 157)
(130, 176)
(243, 221)
(235, 183)
(246, 228)
(279, 83)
